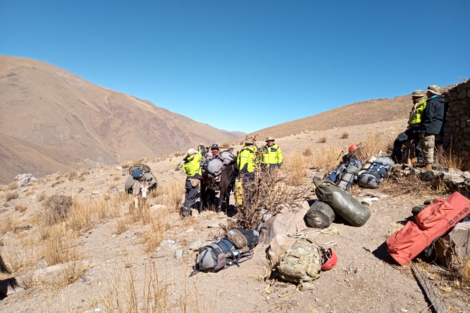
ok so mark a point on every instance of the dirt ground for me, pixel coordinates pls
(364, 280)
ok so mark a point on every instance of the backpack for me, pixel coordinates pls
(431, 223)
(223, 253)
(301, 263)
(213, 166)
(375, 174)
(348, 173)
(138, 170)
(226, 157)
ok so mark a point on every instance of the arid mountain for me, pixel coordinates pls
(46, 106)
(360, 113)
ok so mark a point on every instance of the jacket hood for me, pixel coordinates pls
(439, 99)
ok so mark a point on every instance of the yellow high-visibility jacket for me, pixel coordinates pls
(192, 166)
(416, 115)
(272, 155)
(246, 160)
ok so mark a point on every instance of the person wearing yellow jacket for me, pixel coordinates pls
(272, 155)
(414, 126)
(192, 168)
(246, 166)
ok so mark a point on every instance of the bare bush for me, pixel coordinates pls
(345, 134)
(323, 139)
(72, 175)
(56, 208)
(11, 195)
(266, 196)
(450, 158)
(41, 197)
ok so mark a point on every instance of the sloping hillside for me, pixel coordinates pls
(360, 113)
(48, 106)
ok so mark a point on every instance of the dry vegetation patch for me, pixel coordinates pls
(11, 195)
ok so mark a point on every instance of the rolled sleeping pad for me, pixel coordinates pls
(343, 204)
(320, 215)
(367, 165)
(129, 183)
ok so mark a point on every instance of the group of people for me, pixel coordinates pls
(425, 122)
(246, 166)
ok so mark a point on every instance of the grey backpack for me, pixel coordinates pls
(349, 173)
(375, 174)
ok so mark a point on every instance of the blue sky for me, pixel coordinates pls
(246, 64)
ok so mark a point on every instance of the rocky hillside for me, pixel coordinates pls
(48, 107)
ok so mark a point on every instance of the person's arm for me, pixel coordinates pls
(429, 111)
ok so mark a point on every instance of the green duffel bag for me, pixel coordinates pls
(342, 203)
(320, 215)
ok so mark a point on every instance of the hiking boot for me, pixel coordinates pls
(428, 167)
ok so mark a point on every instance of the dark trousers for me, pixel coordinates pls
(192, 193)
(409, 134)
(248, 180)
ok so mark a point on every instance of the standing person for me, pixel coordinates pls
(414, 126)
(246, 166)
(272, 156)
(432, 124)
(192, 168)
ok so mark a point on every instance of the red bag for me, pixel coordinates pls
(434, 221)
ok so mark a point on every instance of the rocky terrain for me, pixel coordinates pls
(52, 119)
(123, 260)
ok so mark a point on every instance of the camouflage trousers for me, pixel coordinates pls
(427, 144)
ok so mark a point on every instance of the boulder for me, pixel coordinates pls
(24, 179)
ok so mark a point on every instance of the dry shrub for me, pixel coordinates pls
(3, 187)
(6, 224)
(127, 164)
(325, 157)
(18, 259)
(173, 195)
(13, 186)
(72, 175)
(308, 151)
(29, 193)
(296, 168)
(122, 225)
(56, 208)
(225, 145)
(267, 195)
(179, 154)
(41, 197)
(21, 208)
(450, 158)
(323, 139)
(345, 134)
(11, 195)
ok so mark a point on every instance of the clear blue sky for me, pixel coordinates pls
(246, 64)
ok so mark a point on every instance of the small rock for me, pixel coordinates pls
(96, 192)
(190, 230)
(367, 249)
(212, 225)
(194, 213)
(167, 244)
(119, 168)
(93, 310)
(178, 254)
(55, 184)
(466, 175)
(196, 244)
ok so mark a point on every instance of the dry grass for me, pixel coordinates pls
(29, 193)
(465, 271)
(6, 224)
(225, 145)
(323, 139)
(56, 208)
(154, 235)
(21, 208)
(41, 197)
(122, 225)
(72, 175)
(325, 157)
(173, 195)
(296, 168)
(345, 134)
(11, 195)
(449, 158)
(3, 187)
(373, 145)
(13, 186)
(308, 151)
